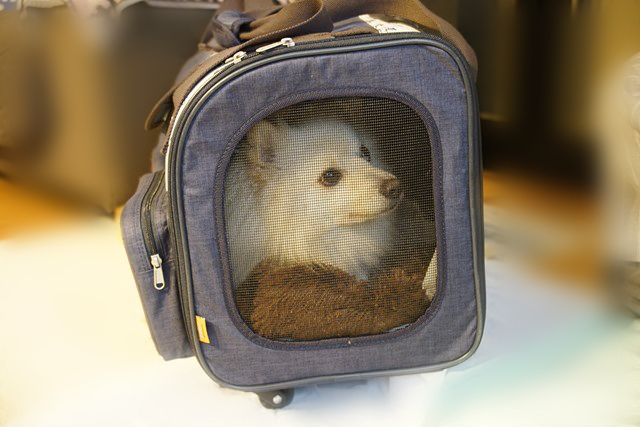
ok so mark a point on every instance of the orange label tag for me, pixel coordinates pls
(201, 326)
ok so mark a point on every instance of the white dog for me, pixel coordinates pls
(310, 193)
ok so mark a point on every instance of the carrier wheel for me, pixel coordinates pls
(276, 399)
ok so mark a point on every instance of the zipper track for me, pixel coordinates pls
(145, 214)
(252, 56)
(206, 88)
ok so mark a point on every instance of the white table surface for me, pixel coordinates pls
(75, 351)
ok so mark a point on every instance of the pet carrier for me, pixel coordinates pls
(319, 215)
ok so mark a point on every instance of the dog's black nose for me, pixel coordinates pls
(390, 188)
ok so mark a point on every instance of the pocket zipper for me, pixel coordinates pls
(158, 275)
(148, 234)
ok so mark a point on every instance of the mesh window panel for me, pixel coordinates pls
(329, 217)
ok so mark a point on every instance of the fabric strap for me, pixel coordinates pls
(271, 23)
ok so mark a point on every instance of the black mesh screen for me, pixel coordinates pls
(329, 219)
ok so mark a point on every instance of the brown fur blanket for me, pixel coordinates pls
(311, 302)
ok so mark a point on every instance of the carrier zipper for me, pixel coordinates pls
(148, 234)
(235, 59)
(286, 42)
(232, 60)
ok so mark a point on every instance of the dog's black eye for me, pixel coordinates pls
(365, 153)
(330, 177)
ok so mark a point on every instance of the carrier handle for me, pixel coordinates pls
(338, 10)
(260, 21)
(306, 18)
(301, 18)
(411, 10)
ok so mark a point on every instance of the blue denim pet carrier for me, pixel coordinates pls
(315, 213)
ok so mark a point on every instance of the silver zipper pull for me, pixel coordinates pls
(237, 57)
(286, 42)
(158, 275)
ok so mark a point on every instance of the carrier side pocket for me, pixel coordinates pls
(145, 232)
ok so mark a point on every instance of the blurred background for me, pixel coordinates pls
(77, 79)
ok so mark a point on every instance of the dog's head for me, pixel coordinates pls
(322, 172)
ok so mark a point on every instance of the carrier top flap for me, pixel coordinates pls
(307, 20)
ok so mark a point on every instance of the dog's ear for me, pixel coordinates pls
(263, 139)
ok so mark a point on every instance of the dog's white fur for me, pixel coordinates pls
(277, 208)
